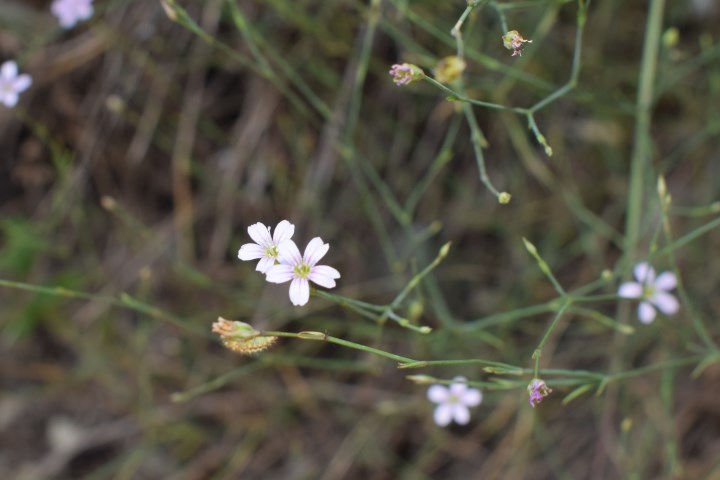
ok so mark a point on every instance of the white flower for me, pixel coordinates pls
(69, 12)
(265, 247)
(12, 84)
(652, 290)
(453, 402)
(300, 269)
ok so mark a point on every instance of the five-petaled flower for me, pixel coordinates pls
(537, 391)
(405, 73)
(453, 402)
(12, 84)
(70, 12)
(300, 269)
(265, 247)
(652, 290)
(512, 40)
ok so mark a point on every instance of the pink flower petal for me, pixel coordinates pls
(279, 273)
(437, 394)
(264, 264)
(644, 273)
(666, 281)
(443, 414)
(251, 251)
(283, 231)
(646, 312)
(326, 271)
(666, 302)
(299, 291)
(315, 251)
(260, 234)
(324, 276)
(630, 290)
(458, 388)
(472, 397)
(22, 83)
(9, 99)
(460, 414)
(289, 254)
(9, 70)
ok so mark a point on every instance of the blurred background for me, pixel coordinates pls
(131, 169)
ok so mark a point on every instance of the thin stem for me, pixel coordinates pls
(125, 301)
(550, 329)
(640, 157)
(477, 142)
(322, 337)
(457, 96)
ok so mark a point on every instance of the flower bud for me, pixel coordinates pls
(537, 391)
(449, 69)
(406, 73)
(512, 40)
(241, 337)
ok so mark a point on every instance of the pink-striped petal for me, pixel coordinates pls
(324, 276)
(264, 264)
(299, 291)
(260, 234)
(283, 231)
(251, 251)
(315, 251)
(279, 274)
(289, 254)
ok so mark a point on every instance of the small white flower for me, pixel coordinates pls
(652, 290)
(265, 247)
(301, 268)
(453, 402)
(70, 12)
(12, 84)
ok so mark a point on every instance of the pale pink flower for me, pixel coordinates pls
(537, 390)
(12, 84)
(653, 292)
(453, 402)
(265, 247)
(301, 269)
(70, 12)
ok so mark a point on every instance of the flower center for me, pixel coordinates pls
(302, 270)
(453, 399)
(271, 252)
(6, 87)
(648, 291)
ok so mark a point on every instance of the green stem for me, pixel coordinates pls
(538, 350)
(640, 157)
(125, 301)
(322, 337)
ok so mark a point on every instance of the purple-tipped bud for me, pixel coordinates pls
(406, 73)
(512, 40)
(537, 391)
